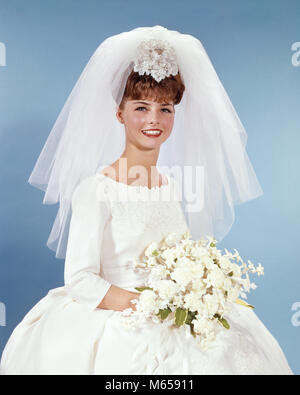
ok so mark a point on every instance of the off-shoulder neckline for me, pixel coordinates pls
(122, 184)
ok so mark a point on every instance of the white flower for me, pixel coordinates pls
(157, 273)
(169, 257)
(179, 251)
(243, 295)
(260, 270)
(172, 239)
(178, 300)
(227, 284)
(169, 263)
(233, 294)
(167, 289)
(168, 254)
(225, 263)
(199, 286)
(127, 312)
(147, 302)
(251, 266)
(156, 57)
(151, 261)
(215, 277)
(192, 301)
(208, 262)
(150, 249)
(237, 272)
(211, 304)
(182, 275)
(183, 262)
(197, 271)
(198, 251)
(202, 325)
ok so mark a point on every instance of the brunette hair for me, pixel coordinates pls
(146, 87)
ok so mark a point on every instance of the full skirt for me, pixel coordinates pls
(60, 336)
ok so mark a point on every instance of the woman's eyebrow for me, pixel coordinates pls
(142, 102)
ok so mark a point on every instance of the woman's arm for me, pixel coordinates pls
(90, 213)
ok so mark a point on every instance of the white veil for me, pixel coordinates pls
(207, 134)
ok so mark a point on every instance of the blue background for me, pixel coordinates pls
(49, 42)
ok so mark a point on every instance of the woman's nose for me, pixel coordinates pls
(153, 117)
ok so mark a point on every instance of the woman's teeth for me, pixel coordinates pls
(152, 132)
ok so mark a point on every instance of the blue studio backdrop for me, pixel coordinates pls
(255, 49)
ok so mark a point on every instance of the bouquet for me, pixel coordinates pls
(190, 283)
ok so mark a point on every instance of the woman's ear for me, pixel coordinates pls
(119, 116)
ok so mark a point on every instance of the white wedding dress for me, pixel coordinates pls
(64, 333)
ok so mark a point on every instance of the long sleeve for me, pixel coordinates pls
(90, 214)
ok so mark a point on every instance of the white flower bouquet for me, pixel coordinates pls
(192, 283)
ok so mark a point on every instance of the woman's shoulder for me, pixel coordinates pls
(89, 189)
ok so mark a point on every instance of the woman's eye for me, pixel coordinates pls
(146, 109)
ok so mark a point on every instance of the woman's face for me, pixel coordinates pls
(141, 115)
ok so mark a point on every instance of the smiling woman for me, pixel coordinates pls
(152, 132)
(76, 329)
(148, 126)
(147, 112)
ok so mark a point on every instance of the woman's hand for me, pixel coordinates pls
(134, 295)
(118, 299)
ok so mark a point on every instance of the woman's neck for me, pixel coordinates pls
(127, 172)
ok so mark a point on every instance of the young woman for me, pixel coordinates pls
(116, 125)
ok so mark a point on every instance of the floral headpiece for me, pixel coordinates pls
(156, 57)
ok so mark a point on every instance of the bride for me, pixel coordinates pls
(148, 99)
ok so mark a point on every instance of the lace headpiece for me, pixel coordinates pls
(156, 57)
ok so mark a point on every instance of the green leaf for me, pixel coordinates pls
(224, 323)
(180, 316)
(163, 313)
(230, 274)
(155, 253)
(140, 289)
(192, 330)
(191, 315)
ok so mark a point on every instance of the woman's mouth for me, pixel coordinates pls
(152, 133)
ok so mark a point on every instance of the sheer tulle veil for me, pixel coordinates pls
(205, 153)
